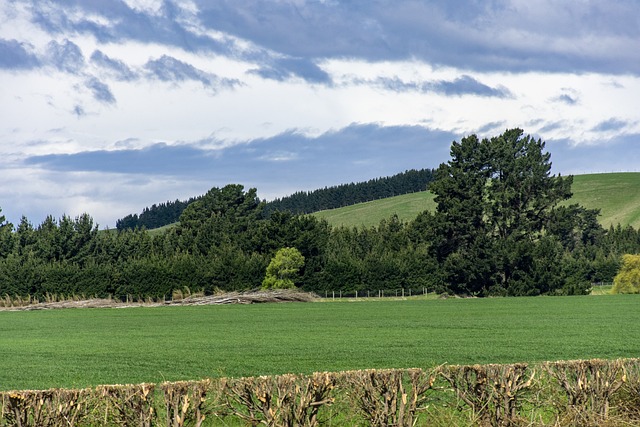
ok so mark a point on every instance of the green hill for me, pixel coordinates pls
(617, 195)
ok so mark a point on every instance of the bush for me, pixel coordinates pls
(627, 281)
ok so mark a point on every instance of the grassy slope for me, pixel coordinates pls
(370, 213)
(616, 194)
(82, 347)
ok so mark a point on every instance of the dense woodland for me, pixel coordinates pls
(498, 230)
(304, 202)
(301, 202)
(156, 216)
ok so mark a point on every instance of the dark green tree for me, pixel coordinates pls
(6, 236)
(495, 199)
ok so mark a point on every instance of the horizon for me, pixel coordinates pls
(159, 202)
(111, 106)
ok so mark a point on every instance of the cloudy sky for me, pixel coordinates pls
(108, 106)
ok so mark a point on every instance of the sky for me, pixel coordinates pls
(110, 106)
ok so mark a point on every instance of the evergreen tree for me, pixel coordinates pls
(6, 236)
(495, 198)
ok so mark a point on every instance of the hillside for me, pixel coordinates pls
(617, 195)
(164, 214)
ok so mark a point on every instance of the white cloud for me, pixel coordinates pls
(153, 7)
(571, 74)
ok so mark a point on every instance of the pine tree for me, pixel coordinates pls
(495, 198)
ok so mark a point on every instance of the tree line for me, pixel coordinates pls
(500, 228)
(303, 202)
(156, 216)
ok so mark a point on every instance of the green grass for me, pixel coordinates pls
(616, 194)
(368, 214)
(84, 347)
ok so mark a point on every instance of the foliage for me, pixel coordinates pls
(627, 281)
(159, 215)
(350, 194)
(496, 198)
(501, 228)
(283, 269)
(156, 216)
(616, 195)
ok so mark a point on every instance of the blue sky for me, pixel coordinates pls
(110, 106)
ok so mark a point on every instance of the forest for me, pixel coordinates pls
(302, 202)
(499, 229)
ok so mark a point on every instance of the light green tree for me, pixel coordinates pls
(627, 281)
(283, 269)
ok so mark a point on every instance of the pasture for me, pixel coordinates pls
(617, 195)
(86, 347)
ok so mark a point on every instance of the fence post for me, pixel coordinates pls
(333, 294)
(402, 292)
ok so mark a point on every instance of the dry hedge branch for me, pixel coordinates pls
(128, 405)
(493, 392)
(391, 397)
(286, 400)
(46, 408)
(589, 386)
(184, 401)
(629, 399)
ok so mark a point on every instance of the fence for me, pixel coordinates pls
(379, 293)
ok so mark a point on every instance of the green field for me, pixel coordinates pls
(616, 194)
(369, 214)
(83, 347)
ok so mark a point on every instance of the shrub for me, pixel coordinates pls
(627, 281)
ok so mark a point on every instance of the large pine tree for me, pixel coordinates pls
(495, 199)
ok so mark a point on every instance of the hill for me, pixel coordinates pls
(303, 202)
(617, 195)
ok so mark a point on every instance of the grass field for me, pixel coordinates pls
(83, 347)
(368, 214)
(616, 194)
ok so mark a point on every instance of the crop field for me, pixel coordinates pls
(86, 347)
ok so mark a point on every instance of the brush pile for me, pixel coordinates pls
(249, 297)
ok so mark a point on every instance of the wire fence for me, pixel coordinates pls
(379, 293)
(404, 292)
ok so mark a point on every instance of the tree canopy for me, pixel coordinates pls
(283, 269)
(627, 281)
(502, 227)
(495, 199)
